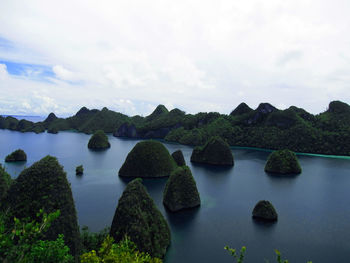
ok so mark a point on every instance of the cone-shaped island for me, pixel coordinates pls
(138, 217)
(181, 190)
(44, 185)
(264, 210)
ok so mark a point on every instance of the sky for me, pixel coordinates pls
(196, 55)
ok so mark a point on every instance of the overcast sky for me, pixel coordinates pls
(57, 56)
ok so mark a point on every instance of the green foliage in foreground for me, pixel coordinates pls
(239, 258)
(92, 241)
(22, 242)
(123, 252)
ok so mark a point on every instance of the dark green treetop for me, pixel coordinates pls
(98, 141)
(148, 159)
(138, 217)
(16, 156)
(283, 162)
(44, 185)
(181, 190)
(216, 152)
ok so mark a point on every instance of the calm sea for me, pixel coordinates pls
(313, 208)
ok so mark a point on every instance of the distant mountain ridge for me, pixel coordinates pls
(264, 127)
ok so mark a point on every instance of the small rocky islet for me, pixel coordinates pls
(16, 156)
(283, 162)
(99, 141)
(79, 170)
(264, 211)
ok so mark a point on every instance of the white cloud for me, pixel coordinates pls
(63, 73)
(3, 72)
(194, 55)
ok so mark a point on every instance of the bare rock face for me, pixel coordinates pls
(126, 130)
(261, 112)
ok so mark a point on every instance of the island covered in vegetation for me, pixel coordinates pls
(138, 217)
(215, 152)
(263, 127)
(16, 156)
(99, 141)
(181, 190)
(265, 211)
(283, 162)
(148, 159)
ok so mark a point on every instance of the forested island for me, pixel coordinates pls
(263, 127)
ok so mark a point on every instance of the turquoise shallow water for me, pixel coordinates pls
(313, 208)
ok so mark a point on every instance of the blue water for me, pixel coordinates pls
(313, 208)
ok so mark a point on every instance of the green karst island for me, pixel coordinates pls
(148, 159)
(283, 162)
(16, 156)
(181, 190)
(44, 185)
(264, 127)
(179, 158)
(215, 152)
(264, 210)
(79, 170)
(138, 217)
(99, 141)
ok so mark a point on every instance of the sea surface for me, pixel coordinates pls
(313, 207)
